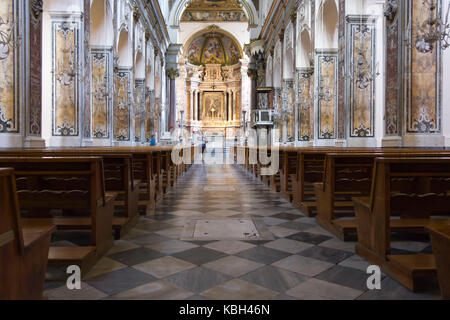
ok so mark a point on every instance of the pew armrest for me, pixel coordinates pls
(34, 231)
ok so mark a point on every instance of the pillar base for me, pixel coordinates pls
(304, 144)
(340, 143)
(87, 143)
(391, 142)
(423, 141)
(34, 142)
(447, 142)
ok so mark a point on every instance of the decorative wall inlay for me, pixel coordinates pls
(305, 105)
(66, 72)
(101, 97)
(122, 105)
(9, 111)
(393, 82)
(360, 62)
(35, 56)
(326, 99)
(423, 106)
(341, 67)
(87, 112)
(139, 108)
(288, 108)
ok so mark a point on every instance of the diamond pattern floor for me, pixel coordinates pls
(303, 262)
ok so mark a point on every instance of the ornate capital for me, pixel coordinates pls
(252, 73)
(147, 35)
(173, 73)
(390, 10)
(281, 35)
(294, 18)
(136, 14)
(36, 10)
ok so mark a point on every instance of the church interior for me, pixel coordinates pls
(224, 150)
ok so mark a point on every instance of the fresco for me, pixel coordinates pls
(213, 49)
(65, 78)
(214, 16)
(214, 11)
(9, 117)
(122, 106)
(100, 94)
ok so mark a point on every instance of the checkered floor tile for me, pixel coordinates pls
(302, 261)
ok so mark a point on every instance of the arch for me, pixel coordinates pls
(150, 68)
(180, 5)
(158, 84)
(288, 61)
(277, 66)
(102, 24)
(269, 72)
(140, 66)
(304, 49)
(327, 29)
(124, 49)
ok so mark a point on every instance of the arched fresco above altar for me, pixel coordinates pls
(214, 10)
(213, 47)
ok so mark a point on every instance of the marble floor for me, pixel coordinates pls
(289, 257)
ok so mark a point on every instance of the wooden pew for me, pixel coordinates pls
(118, 174)
(288, 171)
(414, 189)
(75, 187)
(23, 250)
(440, 239)
(310, 170)
(347, 175)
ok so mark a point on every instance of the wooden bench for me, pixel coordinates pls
(440, 239)
(417, 191)
(75, 187)
(347, 175)
(23, 249)
(118, 174)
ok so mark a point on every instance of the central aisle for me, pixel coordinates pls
(297, 259)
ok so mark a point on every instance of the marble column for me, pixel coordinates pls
(295, 112)
(172, 75)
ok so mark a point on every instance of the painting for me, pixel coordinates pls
(213, 106)
(213, 49)
(213, 52)
(66, 68)
(9, 115)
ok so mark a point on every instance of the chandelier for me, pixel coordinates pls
(433, 30)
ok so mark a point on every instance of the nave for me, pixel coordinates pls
(297, 260)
